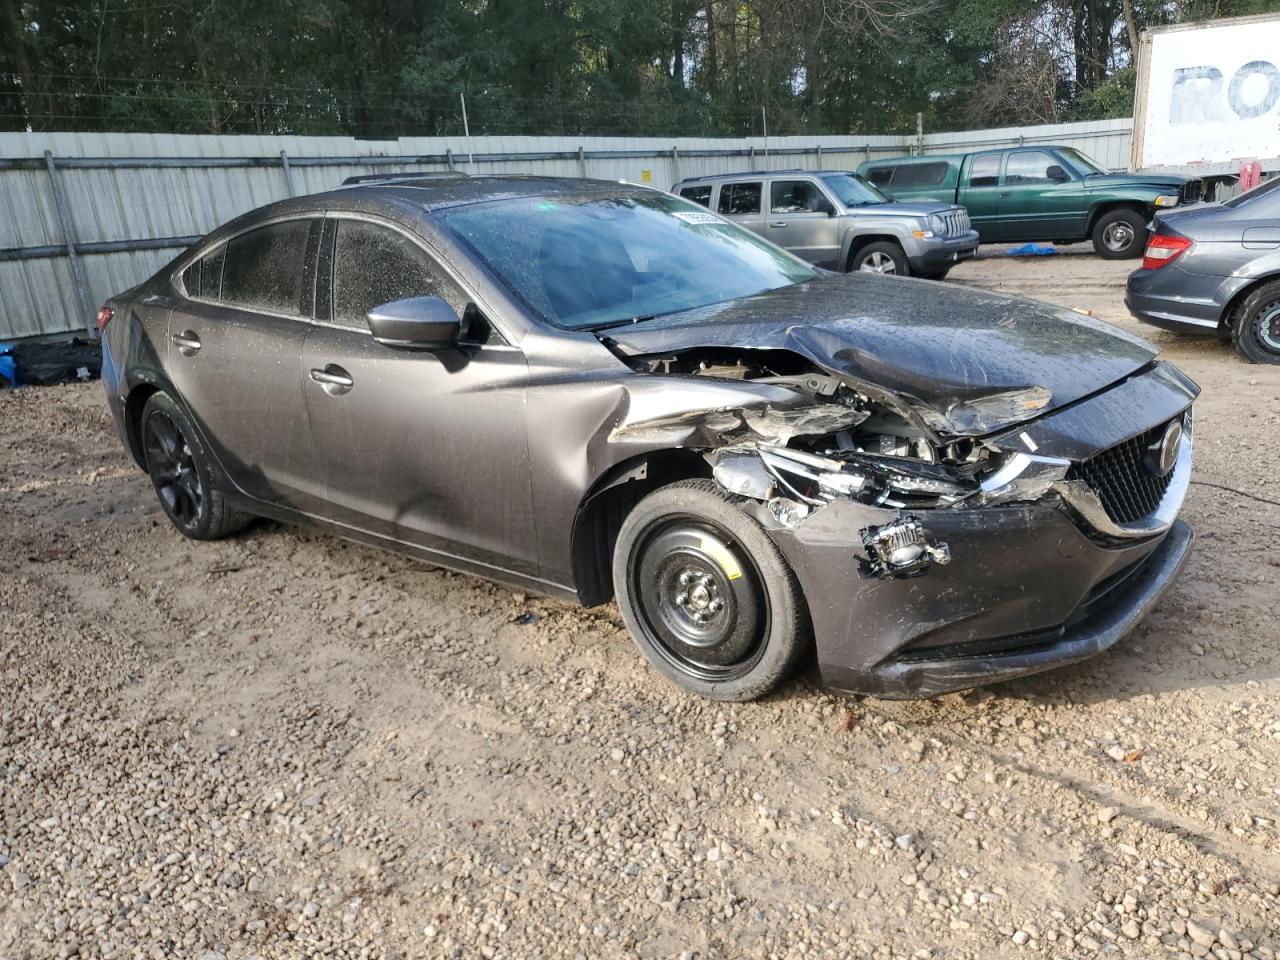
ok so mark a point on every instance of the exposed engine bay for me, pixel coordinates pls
(839, 441)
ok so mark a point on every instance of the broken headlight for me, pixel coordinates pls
(882, 480)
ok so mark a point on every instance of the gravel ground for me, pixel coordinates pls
(285, 745)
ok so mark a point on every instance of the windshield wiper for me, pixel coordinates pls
(623, 323)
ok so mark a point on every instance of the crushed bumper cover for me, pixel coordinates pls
(1099, 630)
(1026, 590)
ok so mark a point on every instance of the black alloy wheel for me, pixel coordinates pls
(173, 471)
(179, 470)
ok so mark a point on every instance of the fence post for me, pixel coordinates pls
(819, 156)
(919, 134)
(288, 174)
(582, 163)
(675, 164)
(69, 241)
(448, 158)
(751, 157)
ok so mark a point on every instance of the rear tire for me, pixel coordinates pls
(180, 472)
(1257, 328)
(1120, 235)
(707, 595)
(880, 257)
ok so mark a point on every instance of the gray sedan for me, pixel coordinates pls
(595, 391)
(1215, 268)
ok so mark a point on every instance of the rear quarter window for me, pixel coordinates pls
(880, 176)
(740, 198)
(699, 193)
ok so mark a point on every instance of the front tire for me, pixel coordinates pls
(707, 595)
(181, 475)
(1257, 328)
(1120, 235)
(880, 257)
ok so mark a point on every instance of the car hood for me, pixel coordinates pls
(1151, 181)
(957, 362)
(897, 209)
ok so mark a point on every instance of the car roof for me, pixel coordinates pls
(407, 199)
(748, 174)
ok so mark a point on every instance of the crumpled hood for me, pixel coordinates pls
(958, 361)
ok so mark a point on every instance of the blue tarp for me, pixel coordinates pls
(8, 368)
(1033, 250)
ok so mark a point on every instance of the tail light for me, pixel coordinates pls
(1163, 250)
(104, 317)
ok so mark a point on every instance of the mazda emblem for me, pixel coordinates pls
(1163, 454)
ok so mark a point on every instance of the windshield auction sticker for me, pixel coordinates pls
(693, 216)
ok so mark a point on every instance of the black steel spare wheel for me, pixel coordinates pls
(700, 598)
(706, 594)
(173, 470)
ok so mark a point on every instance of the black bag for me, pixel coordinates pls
(66, 361)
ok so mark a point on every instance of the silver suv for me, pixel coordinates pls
(839, 220)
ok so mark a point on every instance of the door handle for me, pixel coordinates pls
(333, 379)
(186, 342)
(778, 223)
(1006, 193)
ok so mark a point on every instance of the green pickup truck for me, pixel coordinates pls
(1053, 194)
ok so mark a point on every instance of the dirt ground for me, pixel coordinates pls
(284, 745)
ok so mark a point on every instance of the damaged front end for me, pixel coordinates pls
(831, 440)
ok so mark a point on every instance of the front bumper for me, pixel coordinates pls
(934, 256)
(1101, 625)
(1030, 585)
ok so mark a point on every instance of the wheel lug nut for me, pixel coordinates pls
(685, 577)
(706, 580)
(715, 605)
(682, 600)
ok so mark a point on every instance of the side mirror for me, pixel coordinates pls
(1056, 172)
(415, 323)
(824, 206)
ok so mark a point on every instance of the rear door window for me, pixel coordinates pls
(264, 268)
(700, 193)
(374, 265)
(740, 198)
(985, 171)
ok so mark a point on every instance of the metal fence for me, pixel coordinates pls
(86, 215)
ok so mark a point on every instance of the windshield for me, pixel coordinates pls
(590, 262)
(1084, 164)
(854, 190)
(1265, 189)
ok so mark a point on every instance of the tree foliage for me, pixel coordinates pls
(386, 68)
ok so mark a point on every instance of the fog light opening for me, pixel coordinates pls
(900, 549)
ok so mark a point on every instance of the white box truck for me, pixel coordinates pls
(1208, 98)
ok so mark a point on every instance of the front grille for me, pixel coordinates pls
(1120, 478)
(957, 222)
